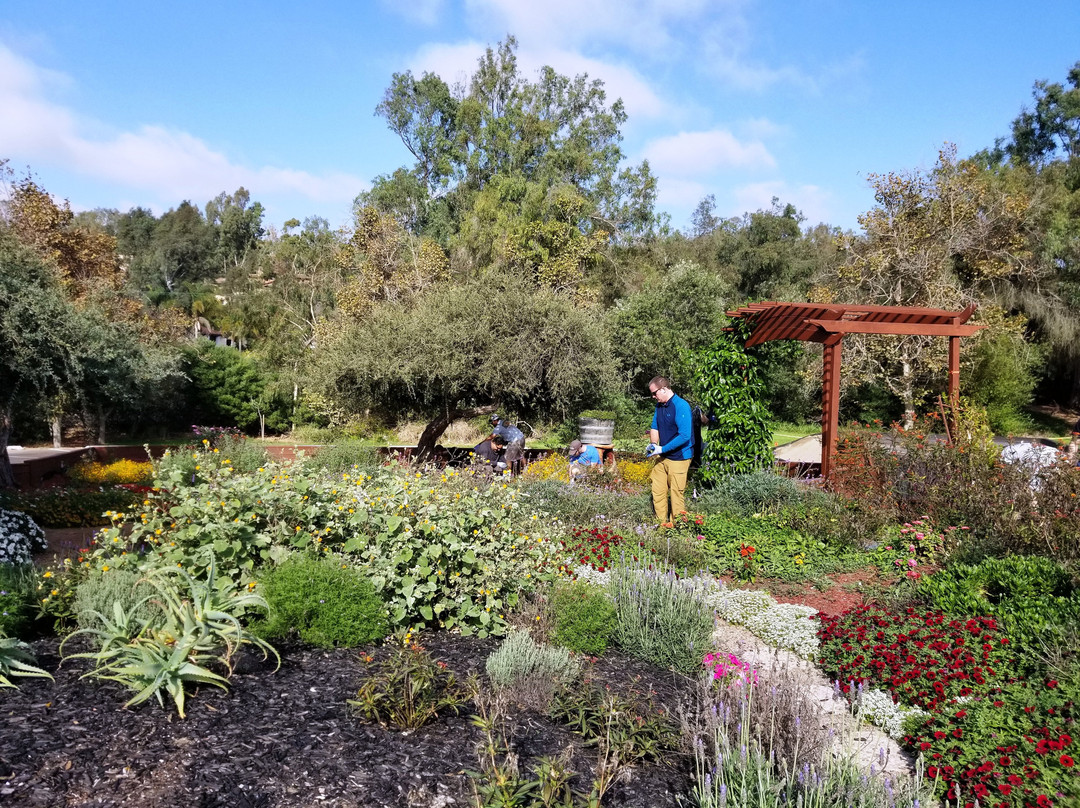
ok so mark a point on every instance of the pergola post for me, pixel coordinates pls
(830, 403)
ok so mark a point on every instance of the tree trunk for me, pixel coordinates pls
(435, 428)
(262, 426)
(7, 476)
(57, 430)
(101, 421)
(907, 396)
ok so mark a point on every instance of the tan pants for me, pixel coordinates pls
(669, 477)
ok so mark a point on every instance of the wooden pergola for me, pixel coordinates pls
(827, 323)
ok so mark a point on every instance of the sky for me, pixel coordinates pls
(122, 104)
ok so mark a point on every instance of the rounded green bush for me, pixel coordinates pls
(584, 618)
(99, 593)
(17, 595)
(325, 603)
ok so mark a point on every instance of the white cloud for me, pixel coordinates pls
(811, 200)
(641, 25)
(168, 162)
(698, 153)
(456, 63)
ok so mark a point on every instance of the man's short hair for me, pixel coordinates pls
(659, 382)
(498, 439)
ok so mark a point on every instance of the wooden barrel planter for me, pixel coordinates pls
(597, 431)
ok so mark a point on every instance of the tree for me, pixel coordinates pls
(508, 172)
(38, 354)
(228, 387)
(489, 343)
(651, 330)
(940, 240)
(239, 227)
(85, 257)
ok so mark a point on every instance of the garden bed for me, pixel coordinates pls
(283, 738)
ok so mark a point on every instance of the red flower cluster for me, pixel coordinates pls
(598, 547)
(959, 670)
(923, 659)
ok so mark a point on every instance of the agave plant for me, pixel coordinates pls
(15, 659)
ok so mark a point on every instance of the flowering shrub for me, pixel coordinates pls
(118, 472)
(912, 550)
(20, 538)
(728, 668)
(600, 547)
(554, 466)
(988, 735)
(450, 550)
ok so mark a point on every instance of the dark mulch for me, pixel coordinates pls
(281, 739)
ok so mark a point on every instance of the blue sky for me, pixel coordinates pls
(120, 104)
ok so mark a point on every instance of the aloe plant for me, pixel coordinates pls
(197, 624)
(15, 659)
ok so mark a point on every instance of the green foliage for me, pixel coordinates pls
(576, 505)
(408, 689)
(346, 455)
(1034, 598)
(661, 618)
(70, 507)
(529, 671)
(99, 592)
(1003, 380)
(629, 723)
(773, 548)
(18, 591)
(583, 616)
(750, 493)
(325, 602)
(652, 328)
(16, 660)
(227, 386)
(450, 551)
(198, 625)
(452, 348)
(727, 385)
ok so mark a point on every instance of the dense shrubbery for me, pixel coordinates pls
(118, 472)
(583, 617)
(71, 507)
(325, 602)
(20, 537)
(447, 550)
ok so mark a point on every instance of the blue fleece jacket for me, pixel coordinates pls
(673, 421)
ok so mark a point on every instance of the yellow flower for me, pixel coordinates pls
(55, 592)
(47, 575)
(105, 568)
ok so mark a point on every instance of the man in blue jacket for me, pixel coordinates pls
(672, 439)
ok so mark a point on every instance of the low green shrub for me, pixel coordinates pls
(18, 588)
(1032, 597)
(583, 616)
(750, 493)
(246, 454)
(582, 505)
(408, 689)
(346, 455)
(747, 547)
(660, 617)
(325, 602)
(97, 595)
(530, 671)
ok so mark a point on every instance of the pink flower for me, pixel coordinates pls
(911, 562)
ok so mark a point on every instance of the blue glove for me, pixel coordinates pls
(652, 451)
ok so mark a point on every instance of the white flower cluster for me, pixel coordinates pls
(20, 538)
(584, 572)
(877, 707)
(783, 625)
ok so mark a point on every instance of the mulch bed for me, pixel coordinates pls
(283, 738)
